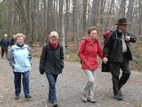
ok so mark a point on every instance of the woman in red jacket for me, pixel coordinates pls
(88, 51)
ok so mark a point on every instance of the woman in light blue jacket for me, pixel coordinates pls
(19, 57)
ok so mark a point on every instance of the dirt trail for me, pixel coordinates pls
(69, 86)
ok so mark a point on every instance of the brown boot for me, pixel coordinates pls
(92, 100)
(84, 98)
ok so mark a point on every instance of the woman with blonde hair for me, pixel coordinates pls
(52, 63)
(19, 57)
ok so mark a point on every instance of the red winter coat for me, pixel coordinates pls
(88, 53)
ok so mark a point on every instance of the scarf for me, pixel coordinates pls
(53, 46)
(20, 46)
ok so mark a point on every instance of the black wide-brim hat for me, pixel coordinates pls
(122, 21)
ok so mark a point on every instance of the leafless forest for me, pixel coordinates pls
(71, 19)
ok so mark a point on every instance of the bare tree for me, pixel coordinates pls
(109, 13)
(95, 12)
(10, 18)
(130, 12)
(122, 8)
(84, 17)
(49, 17)
(140, 19)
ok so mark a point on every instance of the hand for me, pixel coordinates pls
(105, 59)
(42, 71)
(127, 38)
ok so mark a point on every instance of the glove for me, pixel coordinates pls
(41, 70)
(13, 69)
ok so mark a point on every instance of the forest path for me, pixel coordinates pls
(69, 86)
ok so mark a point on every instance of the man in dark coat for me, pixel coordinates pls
(4, 44)
(118, 53)
(12, 42)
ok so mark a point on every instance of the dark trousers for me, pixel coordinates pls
(115, 71)
(52, 89)
(17, 83)
(3, 53)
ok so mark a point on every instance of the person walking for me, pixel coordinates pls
(12, 41)
(118, 53)
(88, 51)
(4, 45)
(20, 59)
(52, 63)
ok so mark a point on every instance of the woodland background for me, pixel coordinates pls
(71, 19)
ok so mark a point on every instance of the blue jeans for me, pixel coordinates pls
(17, 83)
(52, 89)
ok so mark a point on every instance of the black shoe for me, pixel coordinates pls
(118, 97)
(16, 97)
(28, 96)
(55, 104)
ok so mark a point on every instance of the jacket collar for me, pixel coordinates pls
(49, 46)
(88, 39)
(24, 46)
(120, 32)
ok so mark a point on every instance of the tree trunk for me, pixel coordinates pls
(95, 12)
(130, 13)
(10, 18)
(140, 18)
(101, 15)
(60, 18)
(49, 17)
(109, 13)
(84, 17)
(67, 16)
(122, 8)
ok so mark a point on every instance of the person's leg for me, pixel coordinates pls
(6, 53)
(92, 88)
(115, 71)
(2, 53)
(89, 83)
(26, 83)
(126, 73)
(17, 83)
(52, 89)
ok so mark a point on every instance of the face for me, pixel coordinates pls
(53, 40)
(5, 36)
(123, 27)
(93, 34)
(13, 36)
(20, 41)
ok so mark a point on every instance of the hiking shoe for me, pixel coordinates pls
(17, 97)
(55, 104)
(121, 93)
(28, 96)
(118, 97)
(50, 101)
(84, 98)
(92, 100)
